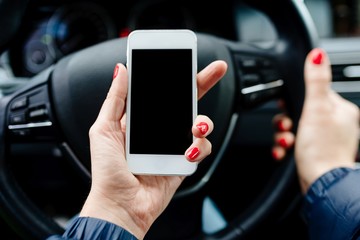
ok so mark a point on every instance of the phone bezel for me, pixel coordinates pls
(159, 164)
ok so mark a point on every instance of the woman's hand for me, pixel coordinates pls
(328, 130)
(118, 196)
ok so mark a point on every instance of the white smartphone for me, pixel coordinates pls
(161, 102)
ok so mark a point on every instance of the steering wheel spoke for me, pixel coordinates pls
(30, 116)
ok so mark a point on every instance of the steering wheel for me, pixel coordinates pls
(56, 108)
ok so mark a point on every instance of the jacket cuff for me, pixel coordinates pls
(82, 228)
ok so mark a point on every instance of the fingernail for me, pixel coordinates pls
(203, 127)
(317, 56)
(282, 142)
(116, 71)
(192, 153)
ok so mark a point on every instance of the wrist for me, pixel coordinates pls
(309, 176)
(106, 209)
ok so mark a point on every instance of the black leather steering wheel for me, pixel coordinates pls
(61, 103)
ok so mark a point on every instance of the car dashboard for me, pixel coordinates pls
(63, 27)
(51, 30)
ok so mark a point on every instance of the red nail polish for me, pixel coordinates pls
(193, 153)
(203, 127)
(317, 56)
(282, 142)
(116, 71)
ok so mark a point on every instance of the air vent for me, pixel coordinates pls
(346, 72)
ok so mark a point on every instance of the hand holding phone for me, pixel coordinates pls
(162, 101)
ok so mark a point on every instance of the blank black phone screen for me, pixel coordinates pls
(161, 101)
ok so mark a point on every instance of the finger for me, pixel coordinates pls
(114, 105)
(284, 139)
(202, 126)
(209, 76)
(282, 122)
(317, 74)
(200, 149)
(278, 153)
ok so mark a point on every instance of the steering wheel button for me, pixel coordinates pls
(269, 75)
(266, 63)
(21, 132)
(249, 63)
(251, 79)
(38, 113)
(17, 119)
(19, 103)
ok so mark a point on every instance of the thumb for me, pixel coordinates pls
(114, 105)
(317, 74)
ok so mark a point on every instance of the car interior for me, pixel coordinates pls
(56, 65)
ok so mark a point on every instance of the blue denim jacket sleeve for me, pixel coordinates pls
(332, 205)
(82, 228)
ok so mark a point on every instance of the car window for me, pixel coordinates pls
(335, 18)
(332, 18)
